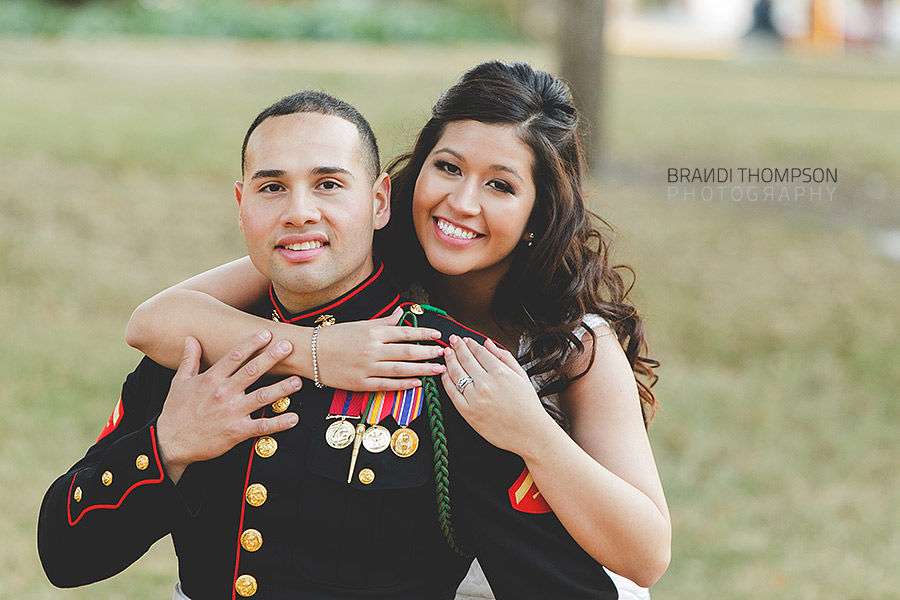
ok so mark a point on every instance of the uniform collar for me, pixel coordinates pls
(373, 298)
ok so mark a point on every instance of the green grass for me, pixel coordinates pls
(777, 324)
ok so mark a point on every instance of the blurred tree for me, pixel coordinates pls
(580, 40)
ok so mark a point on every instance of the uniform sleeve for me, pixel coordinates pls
(114, 503)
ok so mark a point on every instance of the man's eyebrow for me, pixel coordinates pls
(267, 174)
(328, 170)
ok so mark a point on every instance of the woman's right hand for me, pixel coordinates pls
(376, 355)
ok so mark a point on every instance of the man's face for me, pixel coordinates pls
(307, 208)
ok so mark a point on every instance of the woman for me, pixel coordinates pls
(489, 221)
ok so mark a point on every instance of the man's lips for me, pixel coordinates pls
(301, 248)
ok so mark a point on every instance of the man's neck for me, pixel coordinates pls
(298, 302)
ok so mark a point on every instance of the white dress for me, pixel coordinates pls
(475, 585)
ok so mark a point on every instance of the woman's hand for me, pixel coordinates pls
(500, 403)
(376, 355)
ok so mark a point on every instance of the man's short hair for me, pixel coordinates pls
(319, 102)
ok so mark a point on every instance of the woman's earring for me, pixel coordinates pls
(530, 239)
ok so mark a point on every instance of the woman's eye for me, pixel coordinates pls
(501, 186)
(448, 167)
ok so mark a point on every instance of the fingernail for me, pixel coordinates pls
(295, 383)
(293, 419)
(438, 369)
(435, 335)
(283, 346)
(448, 352)
(454, 338)
(418, 383)
(264, 335)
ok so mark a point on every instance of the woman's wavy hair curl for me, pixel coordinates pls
(565, 274)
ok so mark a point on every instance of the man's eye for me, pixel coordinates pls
(271, 188)
(329, 185)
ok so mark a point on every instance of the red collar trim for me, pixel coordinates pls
(322, 309)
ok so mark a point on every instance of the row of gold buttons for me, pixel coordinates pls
(141, 462)
(256, 495)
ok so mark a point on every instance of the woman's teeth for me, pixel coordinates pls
(455, 232)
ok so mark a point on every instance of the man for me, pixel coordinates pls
(290, 492)
(268, 504)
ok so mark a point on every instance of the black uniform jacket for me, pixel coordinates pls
(276, 517)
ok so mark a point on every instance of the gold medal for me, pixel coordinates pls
(340, 434)
(404, 442)
(376, 439)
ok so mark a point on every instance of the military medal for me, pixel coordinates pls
(339, 434)
(376, 439)
(408, 406)
(404, 442)
(344, 405)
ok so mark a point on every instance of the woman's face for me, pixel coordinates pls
(473, 199)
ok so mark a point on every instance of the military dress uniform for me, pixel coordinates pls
(274, 517)
(305, 514)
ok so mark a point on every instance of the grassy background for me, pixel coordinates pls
(777, 323)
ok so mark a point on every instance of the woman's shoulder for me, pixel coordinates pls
(590, 321)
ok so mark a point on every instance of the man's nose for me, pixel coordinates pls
(301, 209)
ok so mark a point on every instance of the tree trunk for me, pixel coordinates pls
(581, 65)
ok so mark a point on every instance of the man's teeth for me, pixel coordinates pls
(455, 232)
(304, 246)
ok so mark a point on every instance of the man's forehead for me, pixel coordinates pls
(306, 140)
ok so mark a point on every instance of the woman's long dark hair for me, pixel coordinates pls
(565, 274)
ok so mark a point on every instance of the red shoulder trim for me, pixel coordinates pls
(114, 419)
(524, 496)
(458, 324)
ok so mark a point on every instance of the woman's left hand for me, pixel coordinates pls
(500, 402)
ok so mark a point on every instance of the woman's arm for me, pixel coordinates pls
(601, 482)
(210, 307)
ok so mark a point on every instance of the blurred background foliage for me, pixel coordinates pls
(372, 20)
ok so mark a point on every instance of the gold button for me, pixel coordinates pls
(245, 585)
(142, 462)
(281, 405)
(417, 309)
(251, 540)
(266, 446)
(256, 494)
(77, 494)
(106, 478)
(367, 476)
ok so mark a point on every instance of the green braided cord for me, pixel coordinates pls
(434, 309)
(441, 468)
